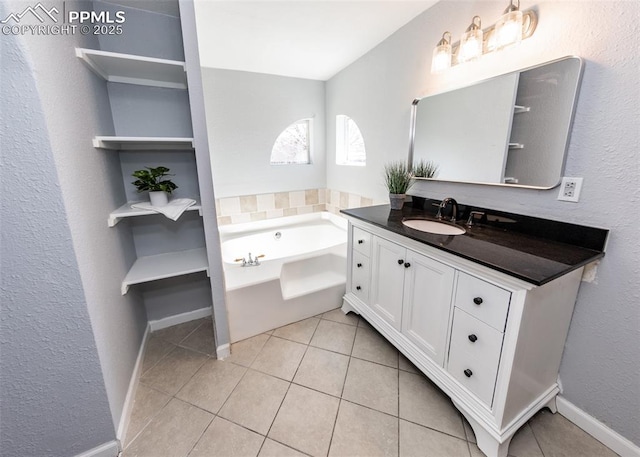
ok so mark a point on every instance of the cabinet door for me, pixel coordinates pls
(387, 280)
(428, 288)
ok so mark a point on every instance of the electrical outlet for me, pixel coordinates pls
(570, 189)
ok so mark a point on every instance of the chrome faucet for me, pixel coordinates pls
(454, 208)
(252, 262)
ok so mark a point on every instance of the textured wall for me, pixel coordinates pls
(53, 399)
(600, 370)
(245, 114)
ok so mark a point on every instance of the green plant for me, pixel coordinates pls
(425, 169)
(397, 177)
(151, 180)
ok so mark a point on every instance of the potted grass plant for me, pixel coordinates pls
(153, 180)
(423, 169)
(397, 177)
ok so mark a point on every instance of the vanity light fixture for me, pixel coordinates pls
(512, 27)
(442, 54)
(471, 43)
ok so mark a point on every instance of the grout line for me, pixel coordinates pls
(201, 435)
(534, 435)
(335, 423)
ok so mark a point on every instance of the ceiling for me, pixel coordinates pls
(299, 38)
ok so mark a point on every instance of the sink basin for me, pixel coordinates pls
(435, 227)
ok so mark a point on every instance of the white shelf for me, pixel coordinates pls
(517, 109)
(131, 69)
(127, 211)
(516, 146)
(137, 143)
(162, 266)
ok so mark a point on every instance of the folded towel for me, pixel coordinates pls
(173, 210)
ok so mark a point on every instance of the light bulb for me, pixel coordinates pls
(471, 41)
(509, 27)
(441, 59)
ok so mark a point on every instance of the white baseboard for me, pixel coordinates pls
(127, 408)
(179, 319)
(224, 351)
(610, 438)
(108, 449)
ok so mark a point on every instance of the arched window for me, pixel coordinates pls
(349, 142)
(293, 145)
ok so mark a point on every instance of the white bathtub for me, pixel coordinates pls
(302, 274)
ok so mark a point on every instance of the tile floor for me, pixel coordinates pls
(325, 386)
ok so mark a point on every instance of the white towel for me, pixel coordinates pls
(173, 210)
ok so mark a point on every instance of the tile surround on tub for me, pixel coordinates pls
(248, 208)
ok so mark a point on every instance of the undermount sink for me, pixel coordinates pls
(435, 227)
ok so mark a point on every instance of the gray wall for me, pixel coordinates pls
(601, 364)
(245, 114)
(60, 329)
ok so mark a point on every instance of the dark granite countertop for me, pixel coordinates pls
(532, 249)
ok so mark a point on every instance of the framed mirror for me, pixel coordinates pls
(510, 130)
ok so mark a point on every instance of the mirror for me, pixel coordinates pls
(511, 130)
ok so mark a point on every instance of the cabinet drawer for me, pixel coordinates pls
(483, 300)
(362, 241)
(474, 363)
(360, 274)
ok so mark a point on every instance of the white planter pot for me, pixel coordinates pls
(158, 198)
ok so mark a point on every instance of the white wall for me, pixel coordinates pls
(245, 114)
(601, 364)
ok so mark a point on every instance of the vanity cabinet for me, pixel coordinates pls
(490, 341)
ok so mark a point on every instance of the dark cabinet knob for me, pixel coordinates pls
(359, 265)
(468, 373)
(477, 300)
(400, 261)
(407, 264)
(360, 241)
(358, 288)
(473, 338)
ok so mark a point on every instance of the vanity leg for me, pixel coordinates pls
(346, 308)
(490, 446)
(551, 404)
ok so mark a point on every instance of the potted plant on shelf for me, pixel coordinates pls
(397, 177)
(151, 180)
(423, 169)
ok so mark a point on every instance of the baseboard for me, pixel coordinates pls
(610, 438)
(179, 318)
(224, 351)
(127, 408)
(109, 449)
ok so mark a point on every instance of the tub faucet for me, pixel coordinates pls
(252, 262)
(443, 205)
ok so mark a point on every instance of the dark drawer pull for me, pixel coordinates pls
(477, 300)
(400, 261)
(359, 265)
(407, 265)
(360, 241)
(358, 288)
(473, 338)
(468, 373)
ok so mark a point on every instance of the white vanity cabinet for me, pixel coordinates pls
(490, 341)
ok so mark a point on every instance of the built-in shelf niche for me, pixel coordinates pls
(131, 69)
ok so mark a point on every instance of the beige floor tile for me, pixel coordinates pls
(300, 332)
(364, 323)
(173, 372)
(370, 345)
(475, 451)
(424, 442)
(471, 436)
(406, 365)
(361, 431)
(560, 438)
(337, 315)
(245, 352)
(176, 333)
(372, 385)
(334, 336)
(305, 420)
(147, 404)
(173, 432)
(272, 448)
(323, 370)
(423, 403)
(255, 401)
(154, 351)
(280, 358)
(227, 439)
(524, 444)
(212, 384)
(201, 339)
